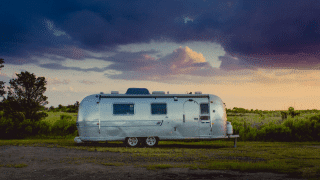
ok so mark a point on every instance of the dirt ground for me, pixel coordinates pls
(54, 163)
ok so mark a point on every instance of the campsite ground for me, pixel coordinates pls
(54, 162)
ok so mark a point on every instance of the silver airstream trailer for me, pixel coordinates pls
(140, 118)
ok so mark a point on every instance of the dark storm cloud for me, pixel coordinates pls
(250, 29)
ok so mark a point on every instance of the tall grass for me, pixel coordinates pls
(271, 127)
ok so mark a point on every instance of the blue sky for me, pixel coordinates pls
(252, 53)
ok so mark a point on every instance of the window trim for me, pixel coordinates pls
(134, 109)
(159, 114)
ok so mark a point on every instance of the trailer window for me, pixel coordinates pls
(159, 108)
(204, 108)
(123, 108)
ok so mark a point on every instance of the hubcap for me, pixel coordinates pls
(132, 141)
(151, 141)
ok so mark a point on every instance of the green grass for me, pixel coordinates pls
(298, 158)
(15, 165)
(54, 116)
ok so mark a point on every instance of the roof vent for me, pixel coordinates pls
(158, 92)
(114, 92)
(198, 92)
(137, 91)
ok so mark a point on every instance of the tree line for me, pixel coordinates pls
(257, 111)
(70, 108)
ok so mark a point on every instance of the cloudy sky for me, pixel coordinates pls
(255, 54)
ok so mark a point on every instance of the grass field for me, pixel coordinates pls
(301, 159)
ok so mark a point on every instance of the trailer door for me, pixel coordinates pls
(190, 126)
(205, 122)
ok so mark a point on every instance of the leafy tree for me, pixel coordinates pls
(25, 96)
(292, 112)
(51, 108)
(2, 91)
(77, 104)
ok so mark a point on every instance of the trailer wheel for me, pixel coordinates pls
(132, 142)
(150, 141)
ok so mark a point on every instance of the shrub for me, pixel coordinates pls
(43, 128)
(284, 115)
(306, 129)
(274, 132)
(25, 128)
(64, 126)
(244, 129)
(296, 128)
(15, 128)
(7, 128)
(316, 118)
(249, 133)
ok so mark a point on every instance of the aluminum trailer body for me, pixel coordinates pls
(149, 118)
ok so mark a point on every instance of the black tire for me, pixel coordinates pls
(132, 142)
(150, 141)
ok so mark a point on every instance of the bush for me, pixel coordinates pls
(25, 128)
(291, 129)
(7, 128)
(306, 129)
(43, 128)
(274, 132)
(15, 128)
(284, 115)
(315, 118)
(248, 133)
(244, 129)
(64, 126)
